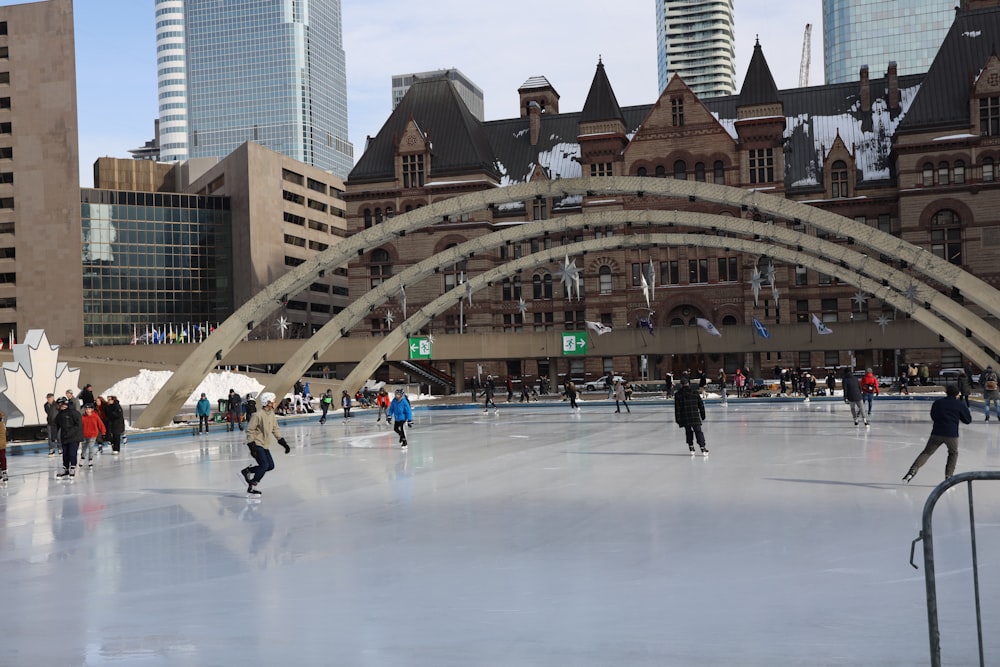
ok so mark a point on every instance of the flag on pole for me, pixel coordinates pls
(648, 323)
(708, 326)
(599, 327)
(761, 330)
(820, 327)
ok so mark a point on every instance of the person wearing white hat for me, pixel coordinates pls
(261, 426)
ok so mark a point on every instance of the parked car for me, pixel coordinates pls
(599, 383)
(952, 373)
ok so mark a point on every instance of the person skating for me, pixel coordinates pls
(204, 410)
(571, 394)
(488, 390)
(620, 398)
(853, 396)
(3, 447)
(115, 423)
(401, 414)
(51, 410)
(991, 391)
(869, 387)
(325, 401)
(382, 401)
(946, 414)
(93, 428)
(262, 425)
(964, 386)
(689, 412)
(345, 403)
(70, 426)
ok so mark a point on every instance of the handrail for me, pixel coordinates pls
(926, 534)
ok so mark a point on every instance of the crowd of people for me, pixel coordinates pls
(80, 425)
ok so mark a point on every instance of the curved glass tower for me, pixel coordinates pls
(696, 40)
(268, 71)
(876, 32)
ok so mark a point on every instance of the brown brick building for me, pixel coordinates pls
(914, 156)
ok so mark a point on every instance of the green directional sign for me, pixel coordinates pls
(574, 343)
(420, 348)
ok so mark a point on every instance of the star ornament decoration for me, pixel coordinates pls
(883, 321)
(522, 306)
(569, 275)
(911, 293)
(860, 298)
(282, 325)
(756, 282)
(770, 274)
(389, 318)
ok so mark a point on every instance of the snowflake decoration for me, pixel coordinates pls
(522, 307)
(860, 298)
(911, 293)
(389, 317)
(430, 338)
(34, 373)
(883, 321)
(770, 274)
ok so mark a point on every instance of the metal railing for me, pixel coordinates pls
(927, 535)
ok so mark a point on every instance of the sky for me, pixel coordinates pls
(116, 56)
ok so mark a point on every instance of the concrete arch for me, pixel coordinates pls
(845, 257)
(201, 361)
(388, 344)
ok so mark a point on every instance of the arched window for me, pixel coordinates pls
(946, 236)
(512, 288)
(604, 279)
(541, 286)
(680, 170)
(729, 321)
(928, 174)
(378, 216)
(989, 170)
(454, 273)
(368, 218)
(661, 171)
(959, 172)
(676, 322)
(641, 171)
(838, 179)
(379, 267)
(719, 171)
(699, 172)
(943, 173)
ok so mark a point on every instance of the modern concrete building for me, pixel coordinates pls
(266, 213)
(874, 33)
(268, 72)
(40, 256)
(696, 41)
(470, 93)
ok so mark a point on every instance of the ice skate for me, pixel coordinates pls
(63, 474)
(704, 452)
(908, 476)
(252, 490)
(245, 473)
(52, 452)
(3, 475)
(693, 452)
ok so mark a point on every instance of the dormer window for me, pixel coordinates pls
(838, 180)
(761, 165)
(413, 171)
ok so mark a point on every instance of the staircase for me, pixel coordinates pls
(427, 373)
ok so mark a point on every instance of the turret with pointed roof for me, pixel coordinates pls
(602, 135)
(760, 125)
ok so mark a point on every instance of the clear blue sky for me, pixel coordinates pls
(116, 56)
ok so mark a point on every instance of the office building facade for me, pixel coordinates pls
(269, 72)
(470, 93)
(696, 40)
(874, 33)
(40, 285)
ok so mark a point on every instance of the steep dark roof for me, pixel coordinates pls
(758, 86)
(944, 97)
(458, 143)
(601, 102)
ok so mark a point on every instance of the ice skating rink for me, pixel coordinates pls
(533, 537)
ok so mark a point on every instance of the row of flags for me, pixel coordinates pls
(172, 333)
(600, 328)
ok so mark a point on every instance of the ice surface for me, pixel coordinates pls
(537, 536)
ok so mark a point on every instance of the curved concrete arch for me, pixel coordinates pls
(268, 300)
(389, 343)
(327, 335)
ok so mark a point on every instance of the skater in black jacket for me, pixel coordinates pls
(70, 425)
(946, 413)
(689, 413)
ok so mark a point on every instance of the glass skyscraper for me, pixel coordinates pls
(876, 32)
(268, 71)
(695, 39)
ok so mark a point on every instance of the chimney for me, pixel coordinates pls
(534, 121)
(893, 86)
(866, 92)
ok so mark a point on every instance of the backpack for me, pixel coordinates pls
(990, 382)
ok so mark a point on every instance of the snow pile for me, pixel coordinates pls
(141, 388)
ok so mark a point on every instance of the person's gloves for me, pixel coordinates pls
(281, 441)
(410, 424)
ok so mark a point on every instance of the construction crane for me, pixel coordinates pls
(806, 54)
